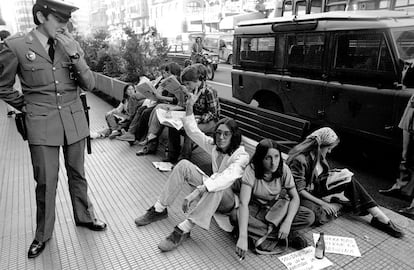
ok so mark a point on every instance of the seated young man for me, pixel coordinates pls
(206, 111)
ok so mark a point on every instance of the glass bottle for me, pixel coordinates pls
(320, 247)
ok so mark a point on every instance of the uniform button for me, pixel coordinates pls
(53, 68)
(59, 94)
(59, 107)
(56, 82)
(33, 69)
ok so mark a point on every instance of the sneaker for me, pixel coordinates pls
(114, 133)
(389, 227)
(151, 216)
(128, 137)
(297, 241)
(173, 240)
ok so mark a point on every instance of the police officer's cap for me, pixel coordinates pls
(59, 9)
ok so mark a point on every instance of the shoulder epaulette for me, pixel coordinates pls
(15, 36)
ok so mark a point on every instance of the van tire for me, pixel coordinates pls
(230, 59)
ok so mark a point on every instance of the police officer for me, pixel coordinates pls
(50, 65)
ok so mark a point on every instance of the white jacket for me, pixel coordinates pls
(230, 169)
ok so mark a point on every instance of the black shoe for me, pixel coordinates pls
(36, 248)
(173, 240)
(297, 241)
(392, 192)
(151, 216)
(388, 228)
(96, 225)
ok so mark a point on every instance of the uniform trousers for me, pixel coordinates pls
(45, 161)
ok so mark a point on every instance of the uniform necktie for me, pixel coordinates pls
(51, 50)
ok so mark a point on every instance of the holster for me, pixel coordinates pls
(21, 124)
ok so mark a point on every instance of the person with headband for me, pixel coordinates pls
(229, 160)
(51, 68)
(329, 192)
(206, 111)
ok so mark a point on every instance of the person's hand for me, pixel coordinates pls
(190, 199)
(284, 230)
(331, 208)
(241, 247)
(192, 98)
(67, 41)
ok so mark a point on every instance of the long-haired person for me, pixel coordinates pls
(229, 159)
(265, 180)
(325, 191)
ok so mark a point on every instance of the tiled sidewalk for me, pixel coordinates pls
(123, 186)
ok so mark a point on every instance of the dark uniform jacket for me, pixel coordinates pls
(50, 94)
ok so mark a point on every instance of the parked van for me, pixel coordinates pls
(352, 71)
(221, 44)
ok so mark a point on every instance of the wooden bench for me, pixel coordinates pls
(257, 123)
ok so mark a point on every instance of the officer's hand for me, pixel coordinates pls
(67, 41)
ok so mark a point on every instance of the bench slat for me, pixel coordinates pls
(258, 123)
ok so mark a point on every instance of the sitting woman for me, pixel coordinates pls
(119, 117)
(141, 121)
(325, 191)
(266, 179)
(229, 160)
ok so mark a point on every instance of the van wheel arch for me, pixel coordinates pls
(269, 101)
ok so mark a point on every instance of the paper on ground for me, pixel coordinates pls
(163, 166)
(304, 259)
(339, 245)
(171, 118)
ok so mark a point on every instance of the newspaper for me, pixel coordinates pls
(172, 85)
(163, 166)
(147, 89)
(171, 118)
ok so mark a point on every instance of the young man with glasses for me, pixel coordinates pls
(229, 159)
(51, 67)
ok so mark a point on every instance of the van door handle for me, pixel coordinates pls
(324, 76)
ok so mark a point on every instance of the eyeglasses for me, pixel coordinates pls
(226, 134)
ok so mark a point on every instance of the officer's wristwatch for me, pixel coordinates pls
(76, 56)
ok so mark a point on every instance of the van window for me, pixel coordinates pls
(305, 51)
(363, 51)
(405, 43)
(257, 49)
(287, 8)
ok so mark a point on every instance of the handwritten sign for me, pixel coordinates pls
(304, 259)
(339, 245)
